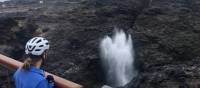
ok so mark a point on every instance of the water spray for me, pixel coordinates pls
(118, 59)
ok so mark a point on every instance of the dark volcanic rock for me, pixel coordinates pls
(75, 43)
(6, 25)
(169, 45)
(166, 37)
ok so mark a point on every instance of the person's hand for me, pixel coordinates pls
(50, 79)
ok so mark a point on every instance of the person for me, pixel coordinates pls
(30, 75)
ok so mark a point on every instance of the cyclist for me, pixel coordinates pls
(30, 75)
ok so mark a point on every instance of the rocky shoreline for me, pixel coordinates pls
(166, 38)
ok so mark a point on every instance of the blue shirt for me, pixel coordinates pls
(32, 78)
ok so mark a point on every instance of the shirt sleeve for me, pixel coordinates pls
(44, 84)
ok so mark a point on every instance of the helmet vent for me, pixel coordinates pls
(37, 49)
(41, 45)
(39, 41)
(30, 48)
(34, 40)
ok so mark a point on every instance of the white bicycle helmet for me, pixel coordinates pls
(36, 46)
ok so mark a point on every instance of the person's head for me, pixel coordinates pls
(36, 50)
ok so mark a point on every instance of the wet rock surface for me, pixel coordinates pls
(166, 38)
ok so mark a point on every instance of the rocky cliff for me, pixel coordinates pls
(167, 35)
(166, 38)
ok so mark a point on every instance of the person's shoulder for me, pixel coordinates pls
(43, 84)
(37, 76)
(37, 79)
(17, 72)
